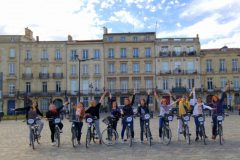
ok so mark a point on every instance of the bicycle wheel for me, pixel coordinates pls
(32, 138)
(220, 132)
(202, 131)
(88, 137)
(166, 135)
(187, 135)
(149, 139)
(109, 136)
(129, 135)
(94, 134)
(74, 137)
(57, 136)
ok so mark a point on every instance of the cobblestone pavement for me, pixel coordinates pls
(14, 144)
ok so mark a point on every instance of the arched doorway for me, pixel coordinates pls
(11, 107)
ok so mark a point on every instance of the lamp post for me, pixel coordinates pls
(229, 92)
(91, 87)
(79, 64)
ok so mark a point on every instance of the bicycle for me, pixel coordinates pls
(186, 133)
(201, 128)
(91, 131)
(166, 131)
(220, 119)
(109, 135)
(57, 132)
(34, 131)
(75, 133)
(147, 131)
(129, 121)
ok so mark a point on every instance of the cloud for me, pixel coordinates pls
(178, 24)
(197, 7)
(126, 17)
(107, 3)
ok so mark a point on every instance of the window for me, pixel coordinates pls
(222, 65)
(73, 86)
(136, 68)
(111, 84)
(223, 83)
(11, 68)
(85, 86)
(177, 51)
(210, 83)
(165, 67)
(147, 38)
(177, 67)
(44, 105)
(236, 84)
(73, 69)
(123, 52)
(85, 69)
(110, 53)
(209, 65)
(28, 55)
(28, 87)
(190, 67)
(28, 70)
(110, 39)
(73, 54)
(97, 68)
(58, 54)
(44, 70)
(122, 39)
(178, 83)
(190, 50)
(97, 85)
(148, 67)
(124, 85)
(164, 49)
(12, 53)
(234, 65)
(190, 83)
(135, 39)
(165, 84)
(58, 86)
(136, 84)
(135, 53)
(44, 54)
(44, 87)
(84, 54)
(123, 67)
(111, 68)
(96, 54)
(147, 52)
(149, 84)
(11, 89)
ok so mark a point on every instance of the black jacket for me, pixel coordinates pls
(94, 111)
(27, 109)
(128, 110)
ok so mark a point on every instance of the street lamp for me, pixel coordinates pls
(229, 96)
(91, 87)
(79, 61)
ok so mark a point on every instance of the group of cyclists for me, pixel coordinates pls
(185, 105)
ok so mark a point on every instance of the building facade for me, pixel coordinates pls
(49, 70)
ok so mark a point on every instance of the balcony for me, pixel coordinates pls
(192, 53)
(57, 75)
(111, 73)
(44, 59)
(165, 72)
(58, 59)
(43, 75)
(209, 71)
(165, 54)
(28, 59)
(191, 72)
(177, 54)
(97, 75)
(235, 70)
(85, 75)
(136, 72)
(179, 90)
(27, 76)
(73, 75)
(178, 71)
(11, 76)
(222, 70)
(123, 72)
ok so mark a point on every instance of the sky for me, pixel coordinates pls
(216, 21)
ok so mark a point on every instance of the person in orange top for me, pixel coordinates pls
(79, 115)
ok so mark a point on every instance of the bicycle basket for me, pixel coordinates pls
(129, 119)
(57, 120)
(170, 117)
(147, 116)
(186, 118)
(30, 121)
(219, 118)
(200, 119)
(89, 120)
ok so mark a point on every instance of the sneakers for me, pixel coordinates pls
(60, 131)
(142, 142)
(122, 141)
(160, 140)
(79, 143)
(197, 138)
(214, 137)
(53, 143)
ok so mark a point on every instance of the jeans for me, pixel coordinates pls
(142, 125)
(52, 129)
(114, 125)
(180, 124)
(78, 127)
(96, 122)
(40, 124)
(125, 126)
(161, 123)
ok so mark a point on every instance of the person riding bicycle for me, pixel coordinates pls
(94, 110)
(32, 112)
(217, 105)
(142, 110)
(163, 109)
(78, 117)
(51, 114)
(127, 111)
(115, 111)
(183, 109)
(198, 111)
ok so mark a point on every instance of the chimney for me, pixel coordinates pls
(105, 30)
(37, 38)
(197, 36)
(70, 38)
(28, 33)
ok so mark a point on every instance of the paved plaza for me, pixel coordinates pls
(14, 144)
